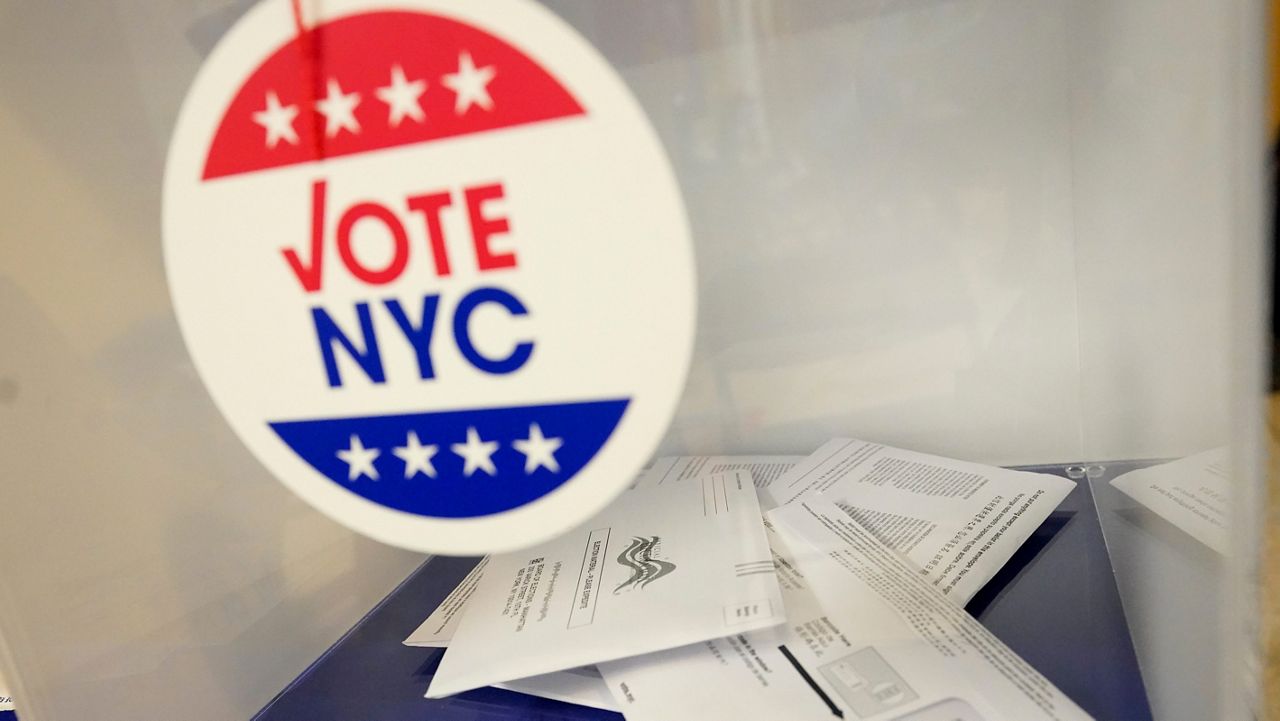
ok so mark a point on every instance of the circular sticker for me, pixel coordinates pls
(432, 264)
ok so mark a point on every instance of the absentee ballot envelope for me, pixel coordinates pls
(659, 568)
(438, 628)
(867, 637)
(959, 521)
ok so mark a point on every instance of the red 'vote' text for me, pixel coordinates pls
(425, 208)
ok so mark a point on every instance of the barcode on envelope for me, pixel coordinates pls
(737, 613)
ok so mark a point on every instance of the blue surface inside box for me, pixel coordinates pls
(1055, 604)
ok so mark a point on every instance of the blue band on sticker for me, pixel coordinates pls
(456, 464)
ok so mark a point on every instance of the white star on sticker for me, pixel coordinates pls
(277, 119)
(359, 459)
(476, 454)
(339, 110)
(401, 97)
(539, 451)
(416, 457)
(470, 84)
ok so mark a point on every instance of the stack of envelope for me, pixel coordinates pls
(765, 588)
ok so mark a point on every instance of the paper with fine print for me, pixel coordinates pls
(662, 567)
(959, 521)
(436, 631)
(1193, 493)
(764, 470)
(868, 637)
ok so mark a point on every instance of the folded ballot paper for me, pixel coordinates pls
(959, 521)
(668, 566)
(1193, 494)
(868, 637)
(437, 630)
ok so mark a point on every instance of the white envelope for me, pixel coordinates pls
(662, 567)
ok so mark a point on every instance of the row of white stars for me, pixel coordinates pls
(477, 455)
(470, 85)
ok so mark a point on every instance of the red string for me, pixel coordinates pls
(297, 17)
(310, 73)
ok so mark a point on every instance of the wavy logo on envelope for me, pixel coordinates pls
(645, 569)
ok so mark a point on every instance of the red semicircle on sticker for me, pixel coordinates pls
(381, 61)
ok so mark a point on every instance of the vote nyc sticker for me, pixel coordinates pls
(432, 264)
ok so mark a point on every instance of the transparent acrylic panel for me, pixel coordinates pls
(1008, 231)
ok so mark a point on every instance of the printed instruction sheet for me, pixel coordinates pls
(959, 521)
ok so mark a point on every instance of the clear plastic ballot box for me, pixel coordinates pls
(1017, 232)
